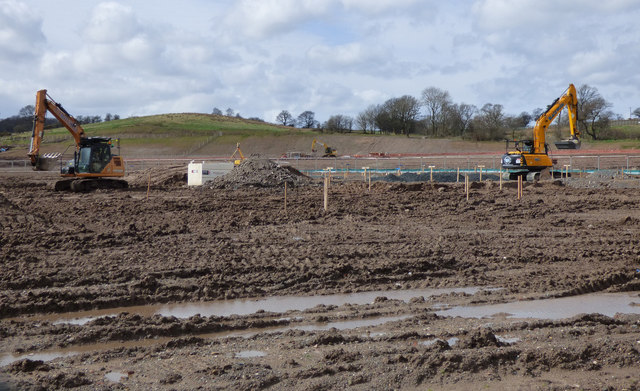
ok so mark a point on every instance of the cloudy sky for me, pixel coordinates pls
(259, 57)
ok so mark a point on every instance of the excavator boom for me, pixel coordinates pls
(568, 99)
(67, 120)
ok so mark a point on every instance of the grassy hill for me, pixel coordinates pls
(193, 135)
(165, 135)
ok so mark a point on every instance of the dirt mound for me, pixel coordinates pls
(479, 339)
(158, 177)
(259, 172)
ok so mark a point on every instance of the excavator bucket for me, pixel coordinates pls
(47, 162)
(568, 144)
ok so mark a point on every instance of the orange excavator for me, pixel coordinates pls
(94, 165)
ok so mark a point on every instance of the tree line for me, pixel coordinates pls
(23, 121)
(436, 115)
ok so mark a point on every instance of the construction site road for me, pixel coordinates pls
(83, 275)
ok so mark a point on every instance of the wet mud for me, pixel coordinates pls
(160, 243)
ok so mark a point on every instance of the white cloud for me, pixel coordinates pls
(20, 32)
(340, 56)
(328, 56)
(112, 23)
(380, 6)
(263, 18)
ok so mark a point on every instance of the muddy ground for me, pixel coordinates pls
(161, 242)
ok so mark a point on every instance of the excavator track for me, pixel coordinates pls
(84, 185)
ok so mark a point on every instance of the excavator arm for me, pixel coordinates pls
(568, 99)
(44, 103)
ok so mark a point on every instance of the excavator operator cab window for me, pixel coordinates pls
(84, 159)
(100, 156)
(93, 158)
(527, 146)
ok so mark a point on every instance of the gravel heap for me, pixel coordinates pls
(259, 172)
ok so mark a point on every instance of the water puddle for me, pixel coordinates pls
(250, 306)
(351, 324)
(115, 377)
(508, 340)
(7, 359)
(607, 304)
(250, 354)
(451, 341)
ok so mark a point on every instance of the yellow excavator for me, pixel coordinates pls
(94, 165)
(240, 155)
(328, 151)
(530, 158)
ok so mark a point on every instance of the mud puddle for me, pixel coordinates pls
(250, 354)
(53, 354)
(607, 304)
(115, 376)
(251, 306)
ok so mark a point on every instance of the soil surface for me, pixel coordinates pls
(162, 242)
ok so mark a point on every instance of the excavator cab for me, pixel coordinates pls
(92, 157)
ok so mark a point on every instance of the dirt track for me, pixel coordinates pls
(64, 252)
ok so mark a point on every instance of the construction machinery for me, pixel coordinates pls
(94, 165)
(328, 151)
(530, 158)
(240, 156)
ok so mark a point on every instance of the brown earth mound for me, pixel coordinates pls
(159, 177)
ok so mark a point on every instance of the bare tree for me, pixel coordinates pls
(285, 118)
(229, 112)
(27, 111)
(339, 123)
(593, 113)
(436, 102)
(307, 120)
(636, 112)
(216, 111)
(459, 118)
(366, 120)
(489, 124)
(398, 115)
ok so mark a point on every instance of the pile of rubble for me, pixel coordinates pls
(259, 172)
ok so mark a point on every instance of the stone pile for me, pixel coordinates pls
(259, 172)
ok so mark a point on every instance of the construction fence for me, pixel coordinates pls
(487, 162)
